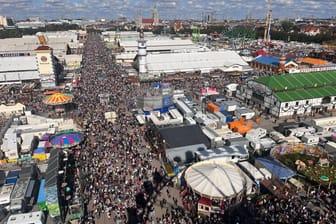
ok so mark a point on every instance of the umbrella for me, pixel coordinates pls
(66, 139)
(58, 99)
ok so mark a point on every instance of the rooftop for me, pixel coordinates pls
(183, 136)
(292, 87)
(270, 60)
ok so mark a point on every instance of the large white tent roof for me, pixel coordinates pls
(215, 179)
(18, 68)
(23, 63)
(158, 45)
(195, 61)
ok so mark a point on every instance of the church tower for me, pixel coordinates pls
(156, 19)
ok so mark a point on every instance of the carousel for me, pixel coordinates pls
(58, 101)
(219, 185)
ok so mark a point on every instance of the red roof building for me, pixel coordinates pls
(43, 48)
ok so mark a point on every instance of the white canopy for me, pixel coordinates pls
(215, 179)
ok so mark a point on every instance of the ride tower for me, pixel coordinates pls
(142, 55)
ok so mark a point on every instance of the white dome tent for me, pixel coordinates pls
(217, 180)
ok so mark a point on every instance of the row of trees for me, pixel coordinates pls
(11, 33)
(286, 31)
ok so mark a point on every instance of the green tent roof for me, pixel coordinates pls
(300, 86)
(294, 95)
(299, 80)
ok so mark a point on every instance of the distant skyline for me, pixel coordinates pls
(168, 9)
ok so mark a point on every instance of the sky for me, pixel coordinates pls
(168, 9)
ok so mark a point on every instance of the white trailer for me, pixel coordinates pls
(202, 119)
(230, 105)
(5, 193)
(330, 146)
(291, 140)
(325, 121)
(244, 112)
(262, 144)
(189, 120)
(184, 108)
(24, 218)
(257, 133)
(310, 139)
(251, 170)
(276, 136)
(301, 131)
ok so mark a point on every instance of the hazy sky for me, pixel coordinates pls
(168, 9)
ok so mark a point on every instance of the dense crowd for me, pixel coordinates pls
(115, 159)
(316, 206)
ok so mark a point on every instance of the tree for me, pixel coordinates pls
(288, 26)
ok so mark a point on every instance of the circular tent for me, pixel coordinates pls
(58, 99)
(216, 180)
(66, 139)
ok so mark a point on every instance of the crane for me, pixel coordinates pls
(267, 33)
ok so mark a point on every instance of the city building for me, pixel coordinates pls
(62, 43)
(292, 94)
(148, 23)
(46, 66)
(273, 64)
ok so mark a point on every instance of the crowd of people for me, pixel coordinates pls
(314, 206)
(115, 161)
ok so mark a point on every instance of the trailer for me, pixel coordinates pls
(251, 171)
(330, 147)
(276, 136)
(325, 121)
(311, 139)
(244, 112)
(300, 131)
(5, 194)
(189, 121)
(257, 133)
(263, 144)
(184, 109)
(230, 105)
(25, 218)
